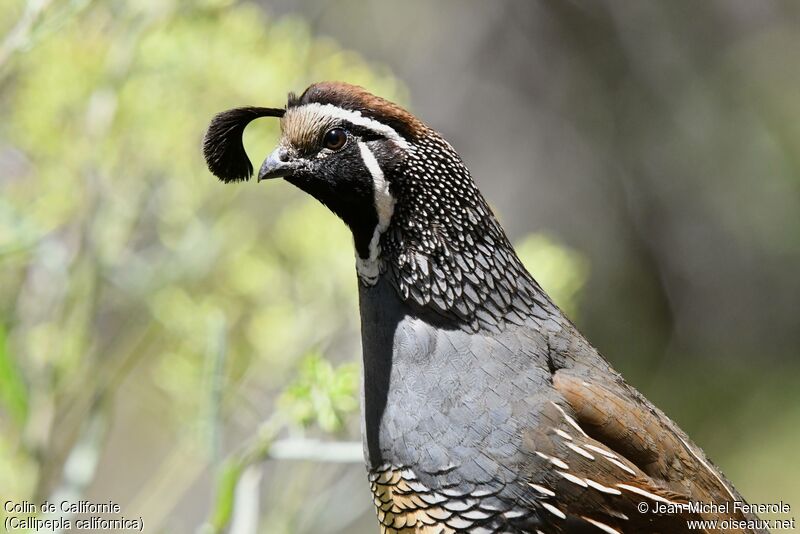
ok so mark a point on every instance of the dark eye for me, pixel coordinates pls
(334, 139)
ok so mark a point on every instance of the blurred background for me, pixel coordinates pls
(158, 330)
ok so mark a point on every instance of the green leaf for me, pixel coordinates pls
(320, 394)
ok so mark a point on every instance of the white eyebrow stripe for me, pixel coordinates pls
(355, 117)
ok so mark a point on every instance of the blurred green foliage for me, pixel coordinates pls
(13, 392)
(321, 394)
(561, 271)
(133, 279)
(118, 246)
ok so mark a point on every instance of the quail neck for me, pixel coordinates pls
(445, 251)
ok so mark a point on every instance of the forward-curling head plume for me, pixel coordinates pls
(222, 144)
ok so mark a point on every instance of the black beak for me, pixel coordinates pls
(277, 165)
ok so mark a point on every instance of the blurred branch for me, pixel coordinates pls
(232, 469)
(81, 465)
(246, 512)
(215, 362)
(170, 480)
(317, 451)
(81, 404)
(261, 447)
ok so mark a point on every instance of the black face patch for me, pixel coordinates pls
(343, 183)
(339, 177)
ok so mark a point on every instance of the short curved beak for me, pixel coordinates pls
(277, 165)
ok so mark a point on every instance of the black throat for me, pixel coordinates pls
(355, 207)
(446, 254)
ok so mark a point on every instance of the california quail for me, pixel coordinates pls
(484, 409)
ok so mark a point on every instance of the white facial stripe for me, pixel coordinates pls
(355, 117)
(384, 202)
(368, 268)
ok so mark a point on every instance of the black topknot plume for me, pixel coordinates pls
(222, 144)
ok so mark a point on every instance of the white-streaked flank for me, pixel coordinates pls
(572, 478)
(580, 451)
(607, 454)
(699, 459)
(601, 526)
(542, 489)
(621, 465)
(601, 487)
(562, 434)
(555, 461)
(570, 420)
(645, 493)
(553, 510)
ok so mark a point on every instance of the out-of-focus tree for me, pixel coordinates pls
(124, 261)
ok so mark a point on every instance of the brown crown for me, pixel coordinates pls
(356, 98)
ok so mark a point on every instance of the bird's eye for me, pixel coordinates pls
(334, 139)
